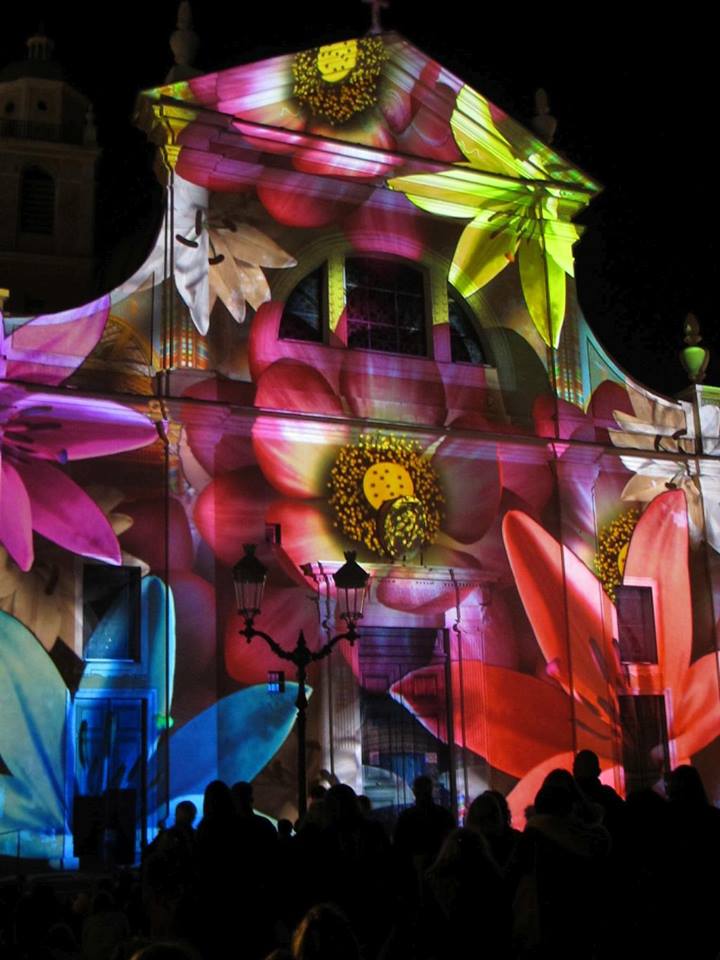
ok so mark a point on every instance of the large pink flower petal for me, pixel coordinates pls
(569, 612)
(63, 513)
(266, 347)
(231, 511)
(387, 223)
(75, 428)
(383, 386)
(48, 348)
(658, 555)
(160, 534)
(429, 134)
(469, 475)
(695, 721)
(426, 595)
(512, 719)
(307, 534)
(301, 200)
(15, 517)
(294, 454)
(605, 400)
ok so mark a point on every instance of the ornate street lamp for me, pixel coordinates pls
(351, 581)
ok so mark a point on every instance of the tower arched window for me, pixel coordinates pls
(37, 202)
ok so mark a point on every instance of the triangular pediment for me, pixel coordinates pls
(372, 108)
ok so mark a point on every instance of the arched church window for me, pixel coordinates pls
(304, 311)
(385, 306)
(465, 343)
(37, 202)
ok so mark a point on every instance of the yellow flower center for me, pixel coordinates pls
(612, 551)
(336, 60)
(386, 495)
(338, 81)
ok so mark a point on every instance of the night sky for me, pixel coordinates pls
(632, 103)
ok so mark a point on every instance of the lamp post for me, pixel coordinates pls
(249, 576)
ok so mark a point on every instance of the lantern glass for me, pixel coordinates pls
(351, 582)
(249, 576)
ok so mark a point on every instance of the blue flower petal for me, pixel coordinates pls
(33, 705)
(231, 740)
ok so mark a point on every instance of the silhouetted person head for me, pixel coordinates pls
(341, 804)
(217, 801)
(185, 813)
(423, 790)
(485, 816)
(686, 788)
(317, 792)
(504, 805)
(365, 804)
(242, 794)
(586, 765)
(555, 800)
(324, 934)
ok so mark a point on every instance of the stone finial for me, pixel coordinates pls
(544, 123)
(376, 6)
(184, 41)
(693, 357)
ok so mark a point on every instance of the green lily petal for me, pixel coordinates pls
(482, 252)
(559, 240)
(477, 136)
(543, 284)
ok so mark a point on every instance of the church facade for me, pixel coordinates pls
(358, 329)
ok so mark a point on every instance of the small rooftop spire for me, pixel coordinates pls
(184, 43)
(544, 123)
(693, 357)
(376, 6)
(40, 46)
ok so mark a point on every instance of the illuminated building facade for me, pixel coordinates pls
(358, 330)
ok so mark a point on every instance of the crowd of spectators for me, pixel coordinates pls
(591, 876)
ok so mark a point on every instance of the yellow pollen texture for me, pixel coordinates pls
(613, 544)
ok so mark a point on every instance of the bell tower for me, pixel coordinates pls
(48, 152)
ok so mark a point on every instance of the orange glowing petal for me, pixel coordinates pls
(307, 533)
(658, 555)
(564, 600)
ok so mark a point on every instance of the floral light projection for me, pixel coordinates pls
(662, 427)
(215, 257)
(477, 493)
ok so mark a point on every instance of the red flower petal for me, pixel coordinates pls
(195, 637)
(569, 612)
(658, 554)
(284, 614)
(300, 200)
(217, 441)
(231, 511)
(307, 534)
(266, 346)
(512, 719)
(696, 719)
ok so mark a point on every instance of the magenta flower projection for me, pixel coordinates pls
(39, 431)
